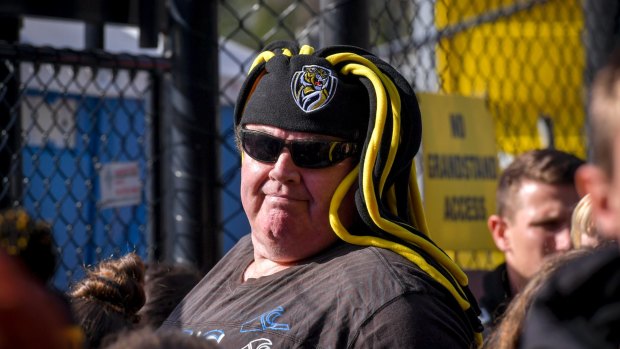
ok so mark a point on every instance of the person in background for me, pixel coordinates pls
(106, 301)
(33, 314)
(165, 285)
(536, 196)
(30, 316)
(579, 305)
(339, 254)
(31, 241)
(510, 324)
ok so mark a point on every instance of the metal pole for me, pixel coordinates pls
(191, 195)
(10, 122)
(345, 22)
(93, 36)
(150, 16)
(155, 188)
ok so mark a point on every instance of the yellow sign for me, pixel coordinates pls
(460, 170)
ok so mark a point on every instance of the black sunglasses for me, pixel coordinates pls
(264, 147)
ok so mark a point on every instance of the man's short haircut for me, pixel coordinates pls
(547, 166)
(605, 112)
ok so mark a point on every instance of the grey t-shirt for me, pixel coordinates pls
(346, 297)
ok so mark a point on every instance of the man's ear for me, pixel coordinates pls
(497, 227)
(591, 179)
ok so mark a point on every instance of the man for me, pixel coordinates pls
(535, 199)
(579, 306)
(338, 255)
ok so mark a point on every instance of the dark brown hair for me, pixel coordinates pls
(107, 299)
(165, 286)
(548, 166)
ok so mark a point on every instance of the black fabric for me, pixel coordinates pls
(496, 296)
(579, 306)
(345, 297)
(348, 112)
(410, 122)
(343, 113)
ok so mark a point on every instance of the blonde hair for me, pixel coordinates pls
(581, 222)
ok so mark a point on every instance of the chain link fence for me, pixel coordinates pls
(80, 119)
(81, 148)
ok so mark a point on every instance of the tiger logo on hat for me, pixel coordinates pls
(313, 87)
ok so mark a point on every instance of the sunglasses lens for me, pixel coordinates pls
(311, 154)
(308, 154)
(260, 146)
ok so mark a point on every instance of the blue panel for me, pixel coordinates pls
(235, 223)
(62, 186)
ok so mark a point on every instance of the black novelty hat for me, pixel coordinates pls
(304, 93)
(348, 92)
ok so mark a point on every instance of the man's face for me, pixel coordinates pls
(539, 225)
(288, 206)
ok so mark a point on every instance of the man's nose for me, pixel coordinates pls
(284, 169)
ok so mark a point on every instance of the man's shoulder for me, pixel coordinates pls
(495, 278)
(495, 294)
(383, 266)
(405, 296)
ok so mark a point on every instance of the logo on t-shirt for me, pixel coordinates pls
(261, 343)
(266, 321)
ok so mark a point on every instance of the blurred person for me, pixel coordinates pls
(107, 300)
(579, 306)
(30, 316)
(510, 324)
(31, 241)
(165, 285)
(536, 196)
(28, 302)
(149, 338)
(583, 232)
(338, 254)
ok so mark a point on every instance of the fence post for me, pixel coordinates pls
(191, 162)
(94, 36)
(157, 105)
(345, 22)
(10, 119)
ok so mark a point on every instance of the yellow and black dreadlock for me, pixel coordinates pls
(387, 199)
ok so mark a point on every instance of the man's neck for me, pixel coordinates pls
(516, 282)
(261, 267)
